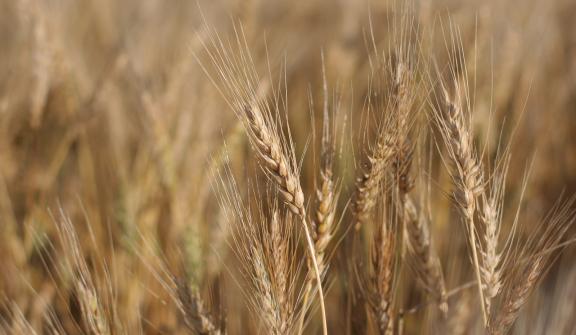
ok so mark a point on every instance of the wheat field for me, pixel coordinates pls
(287, 167)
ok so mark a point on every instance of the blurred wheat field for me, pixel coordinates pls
(282, 167)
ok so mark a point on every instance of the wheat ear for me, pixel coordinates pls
(426, 261)
(193, 311)
(413, 224)
(491, 217)
(280, 251)
(535, 259)
(279, 169)
(390, 139)
(367, 187)
(323, 225)
(517, 298)
(93, 314)
(467, 175)
(382, 279)
(245, 96)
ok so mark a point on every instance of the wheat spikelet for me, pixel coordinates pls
(326, 196)
(426, 261)
(274, 151)
(93, 314)
(279, 169)
(193, 310)
(269, 306)
(273, 275)
(368, 184)
(391, 137)
(516, 298)
(491, 257)
(265, 244)
(382, 279)
(323, 225)
(91, 310)
(279, 249)
(536, 257)
(417, 233)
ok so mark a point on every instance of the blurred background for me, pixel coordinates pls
(106, 113)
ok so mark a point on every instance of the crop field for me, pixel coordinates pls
(287, 167)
